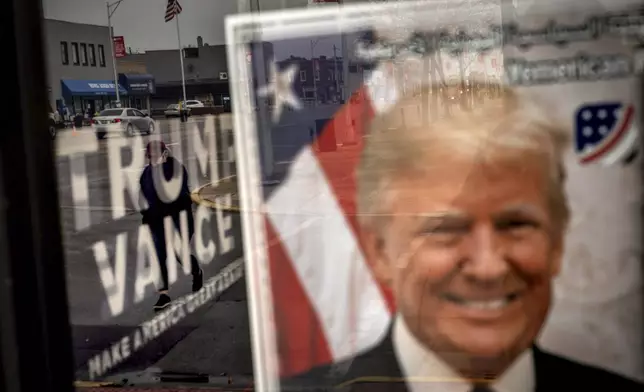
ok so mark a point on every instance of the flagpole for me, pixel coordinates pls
(183, 77)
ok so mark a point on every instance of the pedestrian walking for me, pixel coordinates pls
(159, 158)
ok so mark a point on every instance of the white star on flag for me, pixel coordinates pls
(280, 87)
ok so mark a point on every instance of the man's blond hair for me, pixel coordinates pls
(506, 128)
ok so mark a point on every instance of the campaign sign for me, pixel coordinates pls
(427, 184)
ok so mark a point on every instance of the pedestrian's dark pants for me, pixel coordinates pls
(158, 236)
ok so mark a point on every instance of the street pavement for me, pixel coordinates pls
(214, 339)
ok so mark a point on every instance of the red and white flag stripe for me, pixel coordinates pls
(172, 9)
(328, 306)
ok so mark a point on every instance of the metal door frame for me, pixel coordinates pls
(35, 335)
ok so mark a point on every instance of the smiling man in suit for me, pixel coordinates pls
(464, 220)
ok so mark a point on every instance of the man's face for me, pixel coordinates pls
(157, 156)
(469, 254)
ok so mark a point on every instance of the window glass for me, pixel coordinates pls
(101, 55)
(92, 55)
(111, 112)
(83, 48)
(113, 204)
(64, 54)
(75, 58)
(463, 77)
(187, 246)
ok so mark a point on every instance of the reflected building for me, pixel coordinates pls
(79, 66)
(320, 77)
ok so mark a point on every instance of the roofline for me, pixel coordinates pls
(185, 47)
(76, 23)
(189, 82)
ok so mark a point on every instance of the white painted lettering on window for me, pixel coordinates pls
(113, 279)
(147, 264)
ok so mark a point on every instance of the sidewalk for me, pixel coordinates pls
(216, 354)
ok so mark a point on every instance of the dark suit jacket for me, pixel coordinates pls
(378, 370)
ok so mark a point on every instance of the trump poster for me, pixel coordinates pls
(440, 192)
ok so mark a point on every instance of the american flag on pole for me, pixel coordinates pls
(172, 9)
(326, 304)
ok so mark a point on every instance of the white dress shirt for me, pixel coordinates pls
(426, 372)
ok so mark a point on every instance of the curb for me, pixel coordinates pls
(197, 198)
(94, 384)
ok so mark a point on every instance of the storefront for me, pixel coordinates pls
(139, 87)
(79, 95)
(212, 92)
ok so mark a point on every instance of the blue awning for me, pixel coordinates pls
(138, 84)
(89, 88)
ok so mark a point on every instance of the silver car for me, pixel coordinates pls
(194, 104)
(127, 121)
(173, 111)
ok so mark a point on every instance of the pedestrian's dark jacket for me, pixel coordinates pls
(157, 209)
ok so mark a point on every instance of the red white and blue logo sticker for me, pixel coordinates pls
(606, 133)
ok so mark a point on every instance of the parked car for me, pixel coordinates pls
(194, 104)
(173, 111)
(126, 121)
(54, 123)
(52, 126)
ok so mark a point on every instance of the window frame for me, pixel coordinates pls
(35, 331)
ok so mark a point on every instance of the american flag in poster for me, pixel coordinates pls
(323, 292)
(326, 305)
(604, 132)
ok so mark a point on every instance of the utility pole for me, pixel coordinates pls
(335, 71)
(313, 67)
(315, 86)
(111, 8)
(183, 77)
